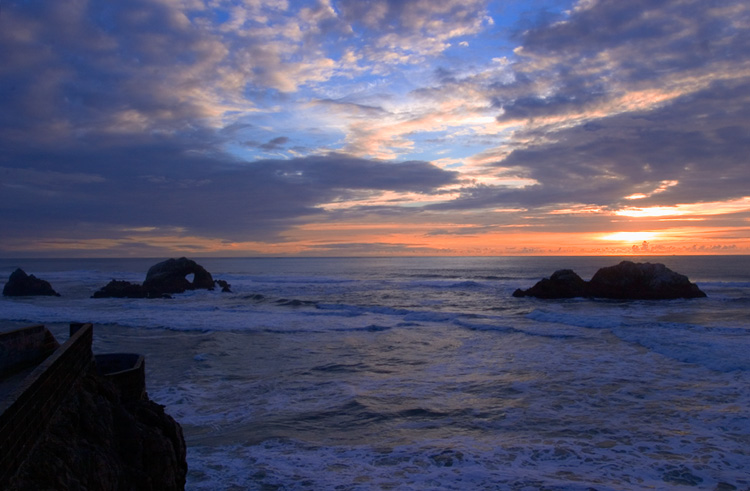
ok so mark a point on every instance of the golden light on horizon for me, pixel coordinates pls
(630, 236)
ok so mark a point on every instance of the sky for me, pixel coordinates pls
(374, 127)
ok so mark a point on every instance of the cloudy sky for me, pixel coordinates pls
(377, 127)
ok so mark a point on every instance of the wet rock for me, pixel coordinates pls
(21, 284)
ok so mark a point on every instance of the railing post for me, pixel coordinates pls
(74, 327)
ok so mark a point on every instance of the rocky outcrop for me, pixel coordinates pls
(564, 283)
(97, 441)
(163, 279)
(22, 285)
(225, 287)
(121, 289)
(170, 276)
(627, 280)
(642, 281)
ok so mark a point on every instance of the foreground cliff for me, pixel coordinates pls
(96, 441)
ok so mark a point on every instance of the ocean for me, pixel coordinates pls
(425, 373)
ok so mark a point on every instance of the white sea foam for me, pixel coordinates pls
(449, 464)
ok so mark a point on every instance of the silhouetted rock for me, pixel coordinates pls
(170, 276)
(225, 287)
(123, 289)
(627, 280)
(645, 281)
(564, 283)
(22, 285)
(163, 279)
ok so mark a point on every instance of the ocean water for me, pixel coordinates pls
(425, 373)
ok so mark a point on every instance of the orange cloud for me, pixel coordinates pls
(687, 209)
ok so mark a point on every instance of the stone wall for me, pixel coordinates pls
(25, 414)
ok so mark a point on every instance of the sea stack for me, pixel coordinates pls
(170, 276)
(164, 279)
(625, 281)
(21, 284)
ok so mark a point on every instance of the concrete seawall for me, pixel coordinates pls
(26, 412)
(25, 347)
(127, 371)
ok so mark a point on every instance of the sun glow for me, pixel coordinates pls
(687, 209)
(630, 236)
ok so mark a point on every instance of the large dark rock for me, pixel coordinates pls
(163, 279)
(645, 281)
(95, 440)
(627, 280)
(170, 276)
(22, 285)
(564, 283)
